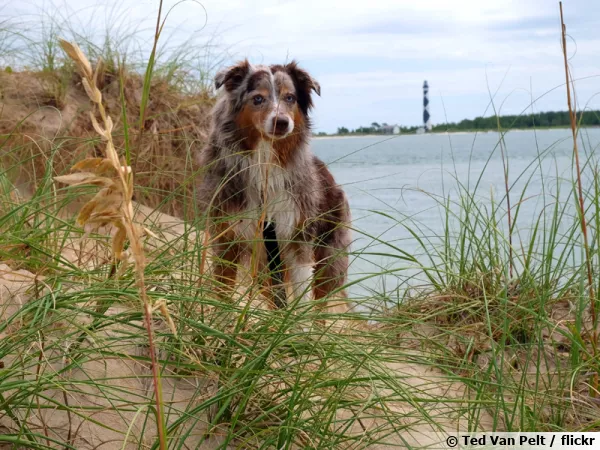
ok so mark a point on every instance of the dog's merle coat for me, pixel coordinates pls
(258, 159)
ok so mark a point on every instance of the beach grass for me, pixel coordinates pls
(112, 342)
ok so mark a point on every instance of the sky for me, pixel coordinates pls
(371, 57)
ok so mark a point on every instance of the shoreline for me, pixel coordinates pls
(353, 136)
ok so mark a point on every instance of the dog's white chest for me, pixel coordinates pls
(270, 188)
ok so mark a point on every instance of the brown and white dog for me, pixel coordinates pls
(258, 161)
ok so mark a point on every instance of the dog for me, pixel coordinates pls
(258, 167)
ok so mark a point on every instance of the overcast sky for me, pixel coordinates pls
(371, 57)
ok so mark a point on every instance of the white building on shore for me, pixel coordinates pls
(390, 129)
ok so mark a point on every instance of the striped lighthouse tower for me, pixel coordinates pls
(426, 121)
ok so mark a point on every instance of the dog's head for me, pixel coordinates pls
(272, 100)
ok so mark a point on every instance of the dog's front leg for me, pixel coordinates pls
(227, 252)
(299, 262)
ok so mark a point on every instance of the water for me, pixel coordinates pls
(402, 176)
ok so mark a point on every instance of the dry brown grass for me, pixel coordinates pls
(41, 111)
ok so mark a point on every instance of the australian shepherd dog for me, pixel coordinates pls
(260, 174)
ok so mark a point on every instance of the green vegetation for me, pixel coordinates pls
(498, 330)
(550, 119)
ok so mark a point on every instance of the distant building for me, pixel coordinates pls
(390, 129)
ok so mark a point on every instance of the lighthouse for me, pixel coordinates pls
(426, 121)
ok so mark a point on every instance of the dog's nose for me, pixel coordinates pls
(280, 125)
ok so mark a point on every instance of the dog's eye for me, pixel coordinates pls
(290, 98)
(258, 99)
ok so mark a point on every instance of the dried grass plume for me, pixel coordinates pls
(113, 204)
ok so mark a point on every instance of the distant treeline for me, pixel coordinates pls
(375, 128)
(547, 119)
(537, 120)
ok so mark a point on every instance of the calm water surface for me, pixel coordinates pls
(393, 181)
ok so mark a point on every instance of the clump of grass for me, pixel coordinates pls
(77, 368)
(523, 343)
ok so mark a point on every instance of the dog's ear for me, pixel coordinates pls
(304, 85)
(303, 79)
(232, 77)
